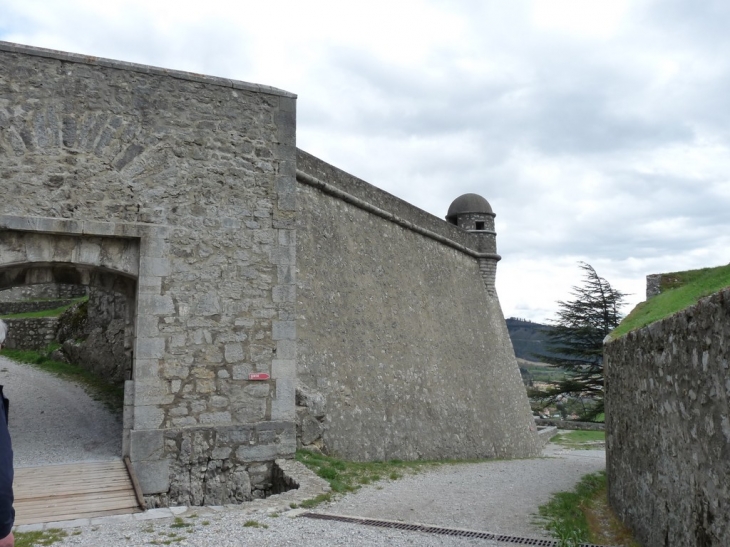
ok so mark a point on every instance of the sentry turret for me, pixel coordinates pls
(471, 212)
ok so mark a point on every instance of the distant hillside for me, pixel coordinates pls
(678, 290)
(528, 338)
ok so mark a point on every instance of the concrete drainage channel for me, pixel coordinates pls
(455, 532)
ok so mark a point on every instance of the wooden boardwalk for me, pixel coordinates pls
(73, 491)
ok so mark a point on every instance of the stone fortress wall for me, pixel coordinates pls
(238, 249)
(194, 177)
(668, 427)
(402, 351)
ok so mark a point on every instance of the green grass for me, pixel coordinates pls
(111, 395)
(180, 523)
(679, 291)
(580, 439)
(563, 515)
(254, 524)
(32, 539)
(44, 313)
(584, 516)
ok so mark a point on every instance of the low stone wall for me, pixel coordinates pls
(57, 291)
(546, 433)
(566, 424)
(668, 427)
(10, 308)
(31, 333)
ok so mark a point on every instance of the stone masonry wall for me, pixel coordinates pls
(33, 334)
(11, 308)
(200, 172)
(402, 351)
(42, 292)
(98, 334)
(668, 427)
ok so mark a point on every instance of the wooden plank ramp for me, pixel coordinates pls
(73, 491)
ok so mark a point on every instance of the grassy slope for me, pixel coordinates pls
(679, 291)
(584, 515)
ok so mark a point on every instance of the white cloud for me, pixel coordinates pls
(587, 19)
(598, 130)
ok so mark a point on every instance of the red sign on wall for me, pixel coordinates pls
(258, 376)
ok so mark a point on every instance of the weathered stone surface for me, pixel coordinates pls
(126, 172)
(34, 333)
(45, 292)
(399, 334)
(98, 335)
(185, 186)
(668, 427)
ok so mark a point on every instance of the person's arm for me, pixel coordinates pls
(7, 513)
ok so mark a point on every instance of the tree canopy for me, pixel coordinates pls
(575, 342)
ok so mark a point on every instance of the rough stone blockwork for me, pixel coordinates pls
(668, 427)
(31, 333)
(45, 291)
(185, 187)
(196, 175)
(11, 308)
(403, 352)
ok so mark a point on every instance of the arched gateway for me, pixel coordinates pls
(273, 292)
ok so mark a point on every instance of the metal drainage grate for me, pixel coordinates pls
(439, 530)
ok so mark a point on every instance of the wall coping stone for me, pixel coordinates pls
(420, 218)
(567, 424)
(144, 69)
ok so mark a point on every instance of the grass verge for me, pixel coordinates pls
(111, 395)
(44, 313)
(584, 516)
(32, 539)
(580, 439)
(679, 291)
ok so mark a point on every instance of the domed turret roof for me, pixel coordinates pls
(468, 203)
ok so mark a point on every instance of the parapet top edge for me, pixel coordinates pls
(144, 69)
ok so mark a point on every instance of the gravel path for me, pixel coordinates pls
(495, 496)
(55, 421)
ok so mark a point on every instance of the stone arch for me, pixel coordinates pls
(130, 257)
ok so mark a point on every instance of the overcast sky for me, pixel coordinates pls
(599, 130)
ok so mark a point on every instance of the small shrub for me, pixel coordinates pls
(180, 523)
(254, 524)
(327, 473)
(322, 498)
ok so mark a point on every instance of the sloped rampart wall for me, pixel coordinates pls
(402, 351)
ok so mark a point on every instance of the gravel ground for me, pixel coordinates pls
(497, 496)
(228, 530)
(54, 421)
(494, 496)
